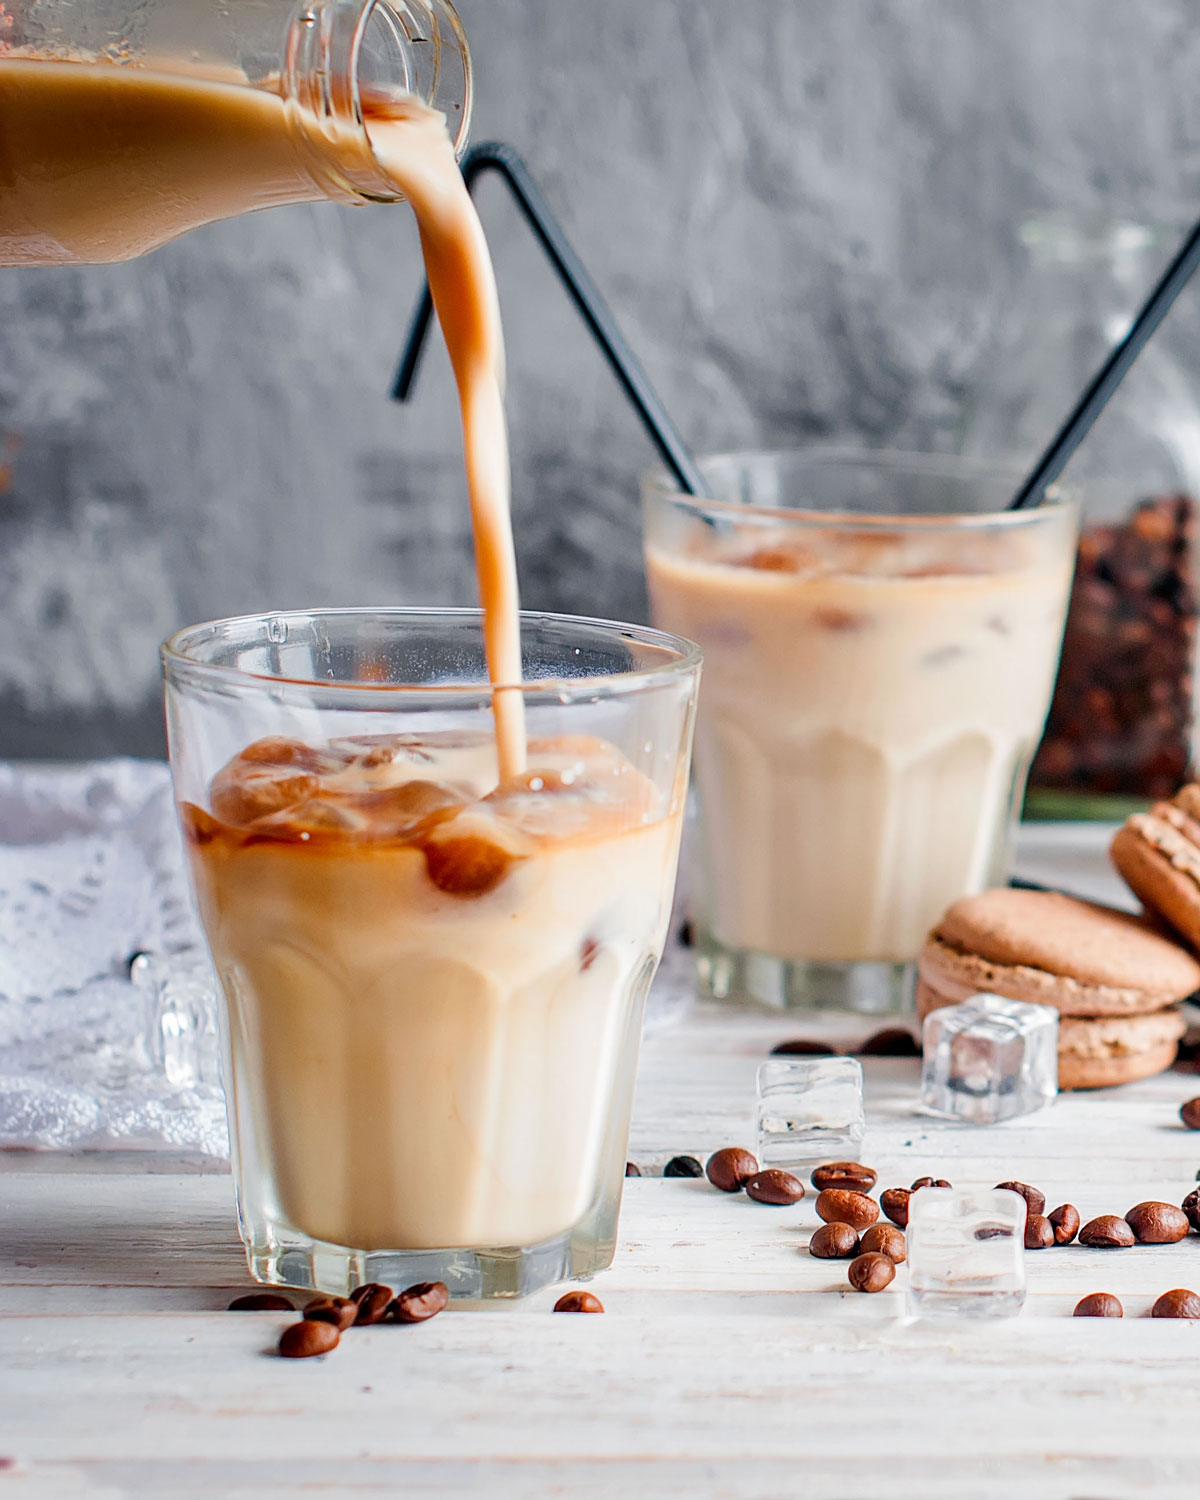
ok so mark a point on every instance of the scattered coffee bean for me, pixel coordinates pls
(683, 1166)
(1189, 1113)
(1157, 1223)
(579, 1302)
(800, 1048)
(308, 1337)
(844, 1174)
(417, 1304)
(1191, 1207)
(893, 1041)
(894, 1202)
(372, 1301)
(844, 1206)
(339, 1311)
(1065, 1222)
(262, 1302)
(632, 1169)
(924, 1182)
(1108, 1232)
(871, 1273)
(834, 1242)
(731, 1168)
(1035, 1202)
(1039, 1232)
(1099, 1305)
(775, 1186)
(1177, 1304)
(885, 1239)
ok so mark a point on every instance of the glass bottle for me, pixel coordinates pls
(1122, 724)
(124, 123)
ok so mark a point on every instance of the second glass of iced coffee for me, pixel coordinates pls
(881, 639)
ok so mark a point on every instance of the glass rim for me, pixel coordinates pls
(686, 656)
(1060, 498)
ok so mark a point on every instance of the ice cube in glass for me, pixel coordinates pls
(809, 1109)
(989, 1059)
(966, 1253)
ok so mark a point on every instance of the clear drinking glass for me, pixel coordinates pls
(433, 986)
(880, 641)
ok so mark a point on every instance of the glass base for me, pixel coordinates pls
(740, 976)
(291, 1259)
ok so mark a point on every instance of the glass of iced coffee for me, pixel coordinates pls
(433, 977)
(880, 639)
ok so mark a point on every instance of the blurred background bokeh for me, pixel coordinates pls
(803, 213)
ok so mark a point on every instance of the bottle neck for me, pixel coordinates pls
(349, 65)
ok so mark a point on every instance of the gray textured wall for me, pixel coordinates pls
(801, 210)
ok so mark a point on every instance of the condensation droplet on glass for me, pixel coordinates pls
(277, 630)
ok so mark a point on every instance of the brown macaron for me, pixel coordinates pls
(1114, 978)
(1158, 853)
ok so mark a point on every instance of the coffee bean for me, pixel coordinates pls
(1065, 1223)
(1177, 1304)
(731, 1168)
(885, 1239)
(1039, 1232)
(775, 1186)
(1035, 1202)
(1108, 1232)
(1191, 1207)
(844, 1206)
(1099, 1305)
(893, 1041)
(308, 1337)
(683, 1166)
(924, 1182)
(417, 1304)
(372, 1301)
(1189, 1113)
(262, 1302)
(632, 1169)
(844, 1174)
(894, 1202)
(871, 1273)
(1157, 1223)
(803, 1049)
(994, 1232)
(339, 1311)
(834, 1242)
(582, 1302)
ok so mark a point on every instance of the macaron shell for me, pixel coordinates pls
(1088, 946)
(1142, 852)
(1103, 1073)
(955, 976)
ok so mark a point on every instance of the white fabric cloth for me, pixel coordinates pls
(91, 873)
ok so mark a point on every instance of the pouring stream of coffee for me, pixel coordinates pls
(1109, 376)
(497, 157)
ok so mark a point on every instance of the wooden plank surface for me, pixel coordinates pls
(730, 1363)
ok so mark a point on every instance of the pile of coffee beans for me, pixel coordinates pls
(326, 1318)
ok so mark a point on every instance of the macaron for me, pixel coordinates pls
(1114, 978)
(1158, 854)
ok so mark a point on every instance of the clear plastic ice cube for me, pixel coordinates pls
(809, 1109)
(989, 1059)
(966, 1253)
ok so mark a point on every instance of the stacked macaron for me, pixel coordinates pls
(1158, 853)
(1115, 979)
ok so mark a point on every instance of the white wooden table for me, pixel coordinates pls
(729, 1363)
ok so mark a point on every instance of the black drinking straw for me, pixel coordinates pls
(1109, 377)
(495, 156)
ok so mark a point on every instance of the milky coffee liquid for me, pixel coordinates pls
(102, 163)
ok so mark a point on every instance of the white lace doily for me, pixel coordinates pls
(91, 875)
